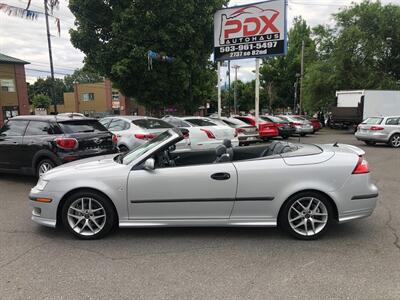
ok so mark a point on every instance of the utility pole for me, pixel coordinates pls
(296, 84)
(236, 67)
(301, 77)
(53, 98)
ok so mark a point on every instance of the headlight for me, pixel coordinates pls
(41, 185)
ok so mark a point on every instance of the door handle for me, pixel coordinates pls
(221, 176)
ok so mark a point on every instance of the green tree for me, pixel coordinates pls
(83, 75)
(280, 72)
(43, 87)
(41, 101)
(116, 36)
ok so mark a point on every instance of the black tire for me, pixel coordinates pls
(284, 223)
(394, 140)
(123, 149)
(302, 134)
(285, 137)
(109, 221)
(369, 143)
(42, 165)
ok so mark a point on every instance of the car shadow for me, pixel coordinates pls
(16, 178)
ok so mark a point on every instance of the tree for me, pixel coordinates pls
(280, 72)
(43, 87)
(116, 36)
(84, 75)
(41, 101)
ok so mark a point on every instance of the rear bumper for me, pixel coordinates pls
(304, 129)
(374, 136)
(268, 133)
(286, 132)
(250, 138)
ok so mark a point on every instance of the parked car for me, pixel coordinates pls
(203, 132)
(302, 126)
(247, 134)
(266, 130)
(316, 124)
(285, 128)
(133, 131)
(380, 130)
(305, 190)
(35, 144)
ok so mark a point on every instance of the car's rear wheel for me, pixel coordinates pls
(395, 140)
(306, 215)
(369, 143)
(88, 215)
(44, 166)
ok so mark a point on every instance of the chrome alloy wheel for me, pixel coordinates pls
(396, 141)
(308, 216)
(86, 216)
(44, 167)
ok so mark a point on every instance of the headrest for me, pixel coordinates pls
(221, 149)
(227, 143)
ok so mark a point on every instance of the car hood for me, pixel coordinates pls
(96, 163)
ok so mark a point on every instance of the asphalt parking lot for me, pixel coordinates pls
(358, 260)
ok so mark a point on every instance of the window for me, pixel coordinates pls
(115, 96)
(392, 121)
(105, 122)
(14, 128)
(200, 122)
(151, 123)
(372, 121)
(247, 121)
(7, 85)
(118, 125)
(81, 126)
(176, 122)
(38, 128)
(87, 96)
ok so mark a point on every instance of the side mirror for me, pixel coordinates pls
(149, 164)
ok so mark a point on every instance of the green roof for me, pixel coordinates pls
(5, 59)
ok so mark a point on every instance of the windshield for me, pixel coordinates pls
(372, 121)
(146, 147)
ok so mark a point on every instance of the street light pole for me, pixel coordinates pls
(301, 77)
(50, 56)
(236, 67)
(296, 84)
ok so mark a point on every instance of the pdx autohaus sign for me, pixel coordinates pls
(253, 30)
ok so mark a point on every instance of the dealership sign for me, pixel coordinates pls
(253, 30)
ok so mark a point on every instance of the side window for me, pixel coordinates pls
(392, 121)
(38, 128)
(14, 128)
(118, 125)
(244, 120)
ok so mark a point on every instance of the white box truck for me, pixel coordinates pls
(352, 107)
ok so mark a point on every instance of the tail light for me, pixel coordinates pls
(376, 128)
(208, 132)
(67, 143)
(144, 136)
(115, 138)
(361, 167)
(239, 131)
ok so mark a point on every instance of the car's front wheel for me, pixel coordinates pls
(88, 215)
(395, 140)
(306, 215)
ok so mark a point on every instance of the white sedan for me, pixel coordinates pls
(203, 132)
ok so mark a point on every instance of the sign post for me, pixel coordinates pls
(219, 89)
(250, 31)
(257, 93)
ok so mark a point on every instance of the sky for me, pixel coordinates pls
(26, 39)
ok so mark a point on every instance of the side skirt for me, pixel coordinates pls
(199, 223)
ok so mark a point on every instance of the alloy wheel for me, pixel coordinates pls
(44, 167)
(86, 216)
(308, 216)
(395, 141)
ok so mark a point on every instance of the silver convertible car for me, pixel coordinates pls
(301, 188)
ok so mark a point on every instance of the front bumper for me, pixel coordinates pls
(373, 136)
(44, 213)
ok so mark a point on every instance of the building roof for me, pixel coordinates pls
(5, 59)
